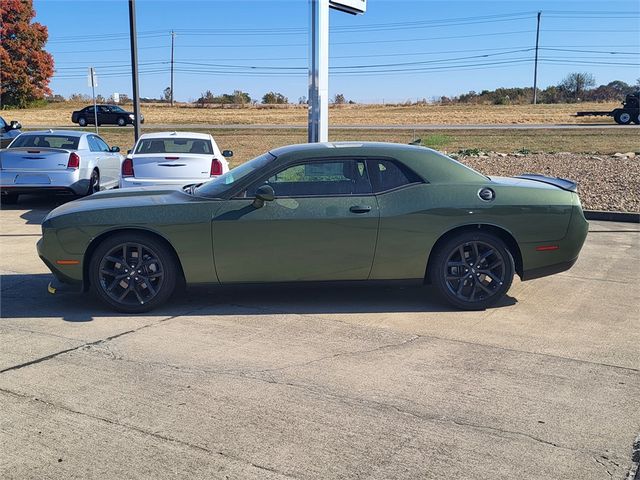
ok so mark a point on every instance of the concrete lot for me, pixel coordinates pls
(334, 383)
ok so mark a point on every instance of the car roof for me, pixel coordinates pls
(354, 147)
(203, 136)
(69, 133)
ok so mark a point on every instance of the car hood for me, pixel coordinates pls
(124, 198)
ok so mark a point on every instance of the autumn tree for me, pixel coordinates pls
(25, 67)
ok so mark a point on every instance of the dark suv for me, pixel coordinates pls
(107, 115)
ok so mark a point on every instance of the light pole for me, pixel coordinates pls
(134, 69)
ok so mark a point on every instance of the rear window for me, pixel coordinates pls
(46, 141)
(174, 145)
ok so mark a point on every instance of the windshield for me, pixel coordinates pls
(174, 145)
(216, 187)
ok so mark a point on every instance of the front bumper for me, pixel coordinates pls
(63, 181)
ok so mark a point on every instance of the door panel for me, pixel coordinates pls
(295, 239)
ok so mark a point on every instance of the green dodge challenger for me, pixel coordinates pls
(315, 213)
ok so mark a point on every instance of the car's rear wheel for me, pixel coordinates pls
(472, 270)
(636, 119)
(122, 122)
(94, 183)
(133, 272)
(82, 122)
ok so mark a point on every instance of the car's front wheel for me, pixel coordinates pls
(122, 122)
(133, 272)
(472, 270)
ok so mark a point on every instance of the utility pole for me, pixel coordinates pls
(535, 68)
(173, 36)
(134, 68)
(94, 83)
(319, 72)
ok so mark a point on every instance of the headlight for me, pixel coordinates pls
(131, 116)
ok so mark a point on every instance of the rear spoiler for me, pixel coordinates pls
(33, 149)
(562, 183)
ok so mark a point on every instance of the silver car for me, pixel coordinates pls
(58, 161)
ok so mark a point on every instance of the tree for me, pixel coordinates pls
(274, 98)
(166, 94)
(339, 99)
(577, 82)
(303, 99)
(26, 67)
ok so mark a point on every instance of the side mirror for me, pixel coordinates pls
(227, 153)
(15, 125)
(115, 149)
(128, 152)
(264, 193)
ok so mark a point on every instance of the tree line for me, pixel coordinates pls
(575, 87)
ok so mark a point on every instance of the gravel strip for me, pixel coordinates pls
(605, 182)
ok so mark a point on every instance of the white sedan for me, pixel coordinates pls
(173, 158)
(57, 161)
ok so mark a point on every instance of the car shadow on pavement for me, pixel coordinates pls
(38, 206)
(26, 296)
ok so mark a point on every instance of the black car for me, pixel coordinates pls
(107, 115)
(8, 131)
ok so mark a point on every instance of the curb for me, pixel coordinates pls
(627, 217)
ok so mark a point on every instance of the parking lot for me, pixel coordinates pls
(357, 382)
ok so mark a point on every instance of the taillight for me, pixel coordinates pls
(74, 160)
(216, 167)
(127, 168)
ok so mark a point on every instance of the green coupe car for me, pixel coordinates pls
(333, 212)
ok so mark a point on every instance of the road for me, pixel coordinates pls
(273, 383)
(197, 126)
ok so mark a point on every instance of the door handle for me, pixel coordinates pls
(360, 209)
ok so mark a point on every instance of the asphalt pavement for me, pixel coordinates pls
(375, 383)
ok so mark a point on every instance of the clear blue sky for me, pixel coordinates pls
(398, 50)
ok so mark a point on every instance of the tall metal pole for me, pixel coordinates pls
(535, 68)
(173, 36)
(134, 68)
(92, 73)
(319, 72)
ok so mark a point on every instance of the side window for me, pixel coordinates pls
(88, 110)
(93, 145)
(387, 175)
(104, 110)
(101, 144)
(331, 177)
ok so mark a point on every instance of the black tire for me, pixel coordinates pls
(94, 183)
(82, 122)
(636, 119)
(9, 199)
(148, 285)
(122, 122)
(622, 118)
(455, 274)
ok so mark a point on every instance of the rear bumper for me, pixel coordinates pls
(64, 181)
(128, 182)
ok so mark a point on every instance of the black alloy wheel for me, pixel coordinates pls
(133, 272)
(94, 183)
(473, 270)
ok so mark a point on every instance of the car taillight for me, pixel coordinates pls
(74, 160)
(127, 168)
(216, 167)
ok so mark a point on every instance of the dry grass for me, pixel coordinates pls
(247, 144)
(60, 114)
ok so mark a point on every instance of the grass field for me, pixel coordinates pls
(249, 143)
(60, 114)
